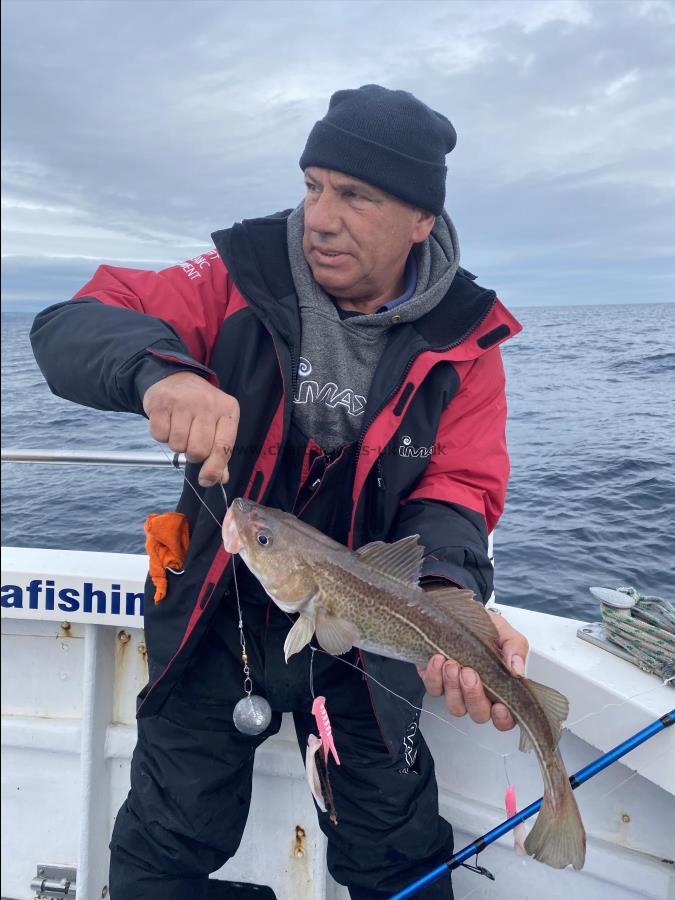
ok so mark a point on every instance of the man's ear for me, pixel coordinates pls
(423, 225)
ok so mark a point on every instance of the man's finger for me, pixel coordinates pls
(432, 675)
(513, 645)
(501, 717)
(160, 425)
(200, 440)
(180, 431)
(514, 652)
(215, 467)
(516, 664)
(477, 704)
(454, 698)
(227, 427)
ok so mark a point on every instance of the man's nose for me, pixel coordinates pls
(322, 215)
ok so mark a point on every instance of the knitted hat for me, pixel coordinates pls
(386, 138)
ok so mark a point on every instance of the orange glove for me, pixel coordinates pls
(167, 540)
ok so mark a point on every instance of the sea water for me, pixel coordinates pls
(591, 500)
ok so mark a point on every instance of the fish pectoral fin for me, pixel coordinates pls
(335, 635)
(401, 560)
(555, 705)
(299, 636)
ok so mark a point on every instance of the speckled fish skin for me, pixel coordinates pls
(349, 598)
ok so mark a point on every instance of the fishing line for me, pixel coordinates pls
(506, 769)
(576, 780)
(187, 481)
(612, 705)
(595, 800)
(498, 873)
(311, 670)
(419, 709)
(234, 568)
(253, 713)
(174, 463)
(633, 774)
(503, 756)
(316, 649)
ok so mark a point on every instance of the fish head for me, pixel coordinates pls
(268, 542)
(257, 534)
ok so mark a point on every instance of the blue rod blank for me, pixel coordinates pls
(580, 777)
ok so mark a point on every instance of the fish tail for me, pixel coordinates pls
(558, 837)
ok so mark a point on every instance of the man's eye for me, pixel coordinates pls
(311, 187)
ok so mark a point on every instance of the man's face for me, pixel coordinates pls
(357, 237)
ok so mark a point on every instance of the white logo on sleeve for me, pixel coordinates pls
(193, 267)
(406, 448)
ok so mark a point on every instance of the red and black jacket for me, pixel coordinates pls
(431, 458)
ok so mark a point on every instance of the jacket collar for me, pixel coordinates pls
(255, 256)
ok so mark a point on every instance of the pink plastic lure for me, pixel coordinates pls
(325, 730)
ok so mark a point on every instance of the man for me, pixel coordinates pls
(333, 361)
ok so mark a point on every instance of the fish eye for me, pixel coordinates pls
(264, 538)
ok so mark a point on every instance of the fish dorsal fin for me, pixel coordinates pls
(555, 705)
(401, 560)
(460, 604)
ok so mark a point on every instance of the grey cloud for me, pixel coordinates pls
(138, 128)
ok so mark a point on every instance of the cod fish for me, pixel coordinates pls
(371, 599)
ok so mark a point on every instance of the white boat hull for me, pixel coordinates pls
(68, 730)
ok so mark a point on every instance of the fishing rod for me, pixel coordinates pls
(477, 846)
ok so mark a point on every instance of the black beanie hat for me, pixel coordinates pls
(386, 138)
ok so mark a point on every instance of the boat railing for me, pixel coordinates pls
(94, 457)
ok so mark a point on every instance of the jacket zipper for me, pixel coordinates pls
(294, 369)
(284, 396)
(408, 367)
(380, 474)
(394, 391)
(328, 459)
(331, 459)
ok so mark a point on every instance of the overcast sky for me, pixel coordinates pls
(132, 130)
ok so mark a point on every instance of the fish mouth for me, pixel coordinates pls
(240, 520)
(231, 538)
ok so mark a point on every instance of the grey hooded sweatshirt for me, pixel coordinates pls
(339, 356)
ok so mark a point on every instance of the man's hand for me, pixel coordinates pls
(463, 689)
(195, 418)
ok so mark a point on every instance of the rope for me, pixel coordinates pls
(646, 632)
